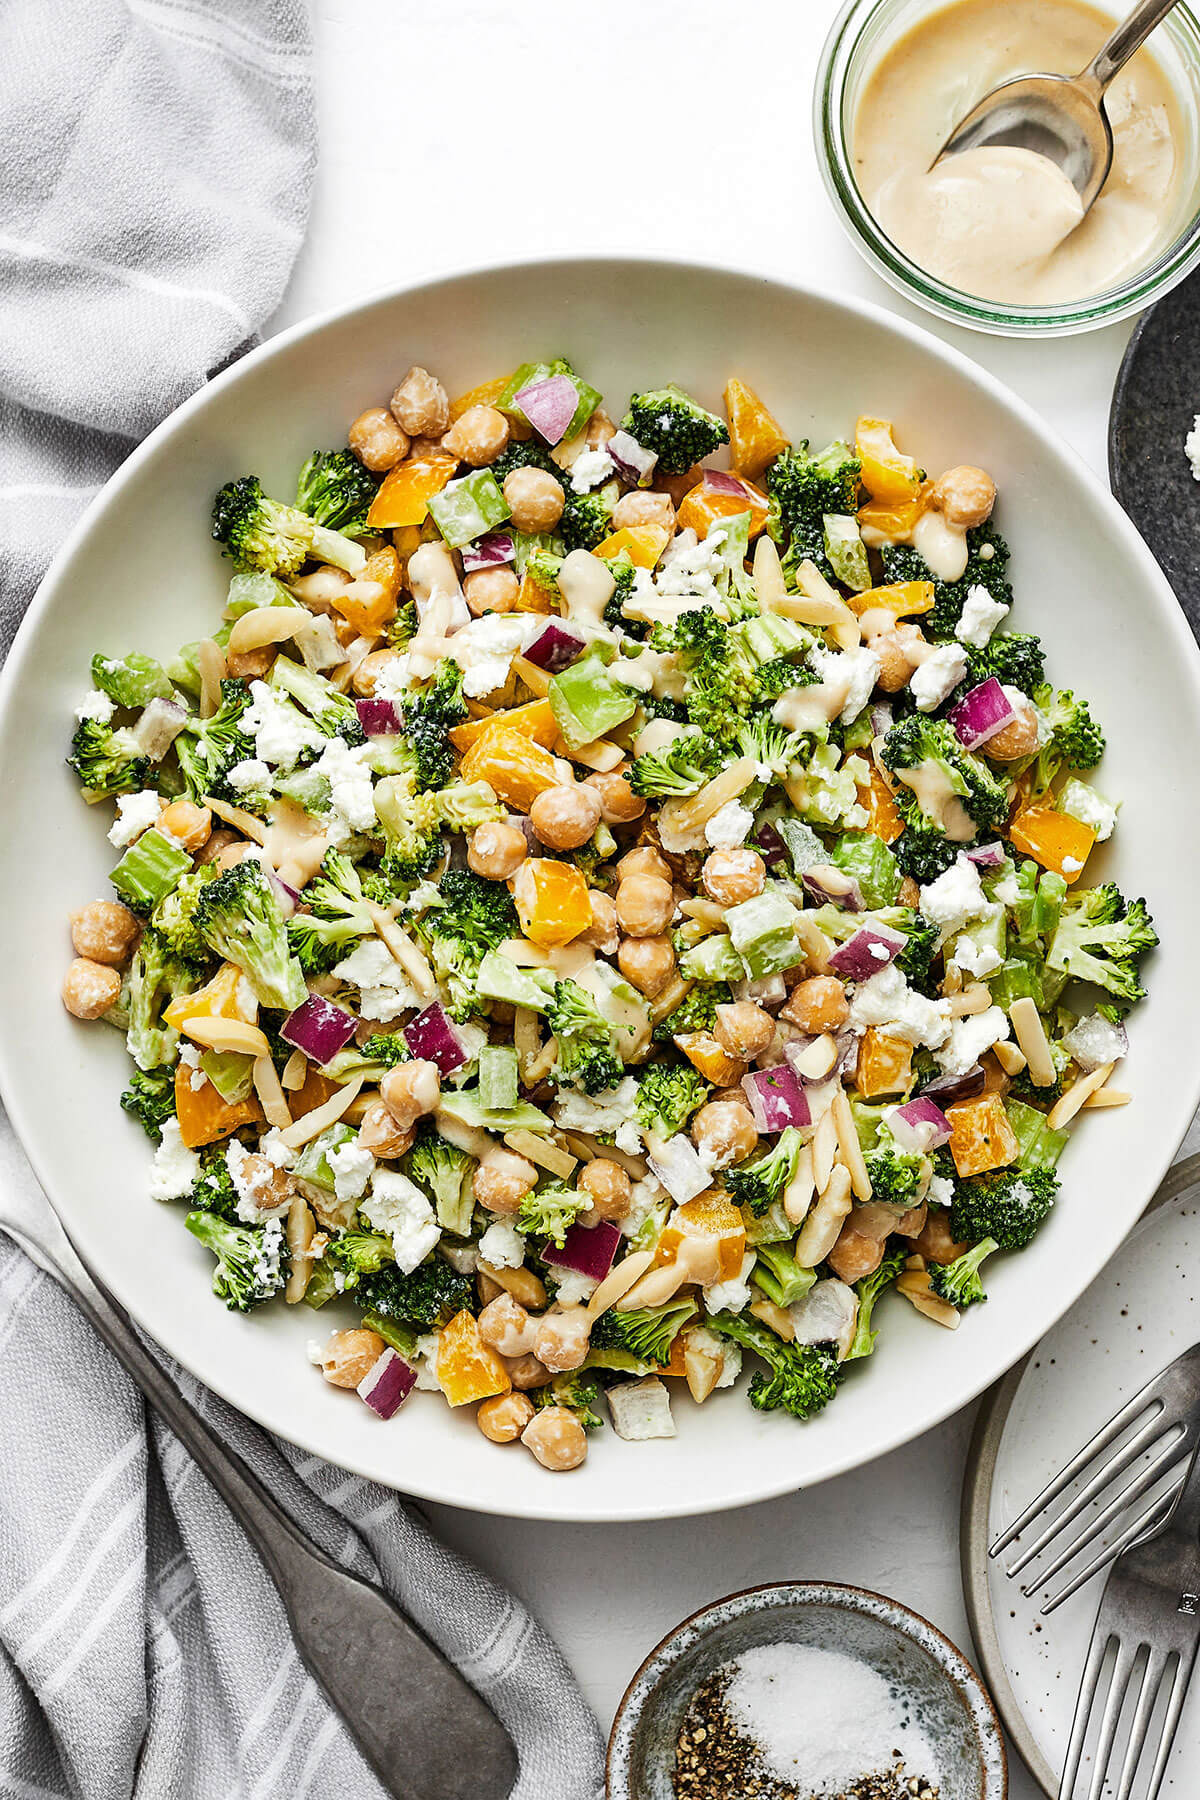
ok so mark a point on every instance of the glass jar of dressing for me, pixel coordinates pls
(994, 239)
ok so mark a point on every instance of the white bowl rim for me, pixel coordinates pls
(764, 1486)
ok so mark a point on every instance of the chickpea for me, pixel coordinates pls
(679, 486)
(935, 1241)
(608, 1188)
(497, 849)
(423, 447)
(502, 1180)
(411, 1090)
(251, 665)
(535, 499)
(817, 1005)
(380, 1134)
(217, 843)
(507, 1327)
(234, 852)
(855, 1254)
(349, 1355)
(910, 893)
(504, 1418)
(370, 669)
(731, 876)
(601, 934)
(645, 905)
(105, 932)
(725, 1132)
(268, 1188)
(743, 1029)
(641, 508)
(190, 825)
(561, 1339)
(89, 988)
(900, 652)
(565, 817)
(556, 1438)
(1019, 737)
(490, 590)
(421, 405)
(600, 430)
(377, 440)
(648, 962)
(478, 436)
(736, 1096)
(619, 805)
(964, 496)
(645, 860)
(526, 1372)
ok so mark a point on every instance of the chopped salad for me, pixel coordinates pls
(586, 915)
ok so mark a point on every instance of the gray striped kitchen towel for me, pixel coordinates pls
(157, 157)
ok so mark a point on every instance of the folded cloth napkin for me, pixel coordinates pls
(158, 156)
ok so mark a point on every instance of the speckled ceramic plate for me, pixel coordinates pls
(1154, 402)
(944, 1692)
(1134, 1319)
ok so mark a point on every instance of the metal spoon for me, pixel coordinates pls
(1061, 117)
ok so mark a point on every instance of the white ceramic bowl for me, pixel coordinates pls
(142, 571)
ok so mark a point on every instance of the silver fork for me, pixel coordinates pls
(1164, 1424)
(1150, 1604)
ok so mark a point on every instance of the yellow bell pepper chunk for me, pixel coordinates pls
(903, 598)
(518, 768)
(643, 544)
(1053, 839)
(227, 996)
(534, 720)
(886, 474)
(552, 901)
(981, 1137)
(486, 394)
(406, 490)
(532, 597)
(883, 815)
(884, 1064)
(706, 505)
(755, 438)
(204, 1118)
(467, 1369)
(711, 1215)
(894, 523)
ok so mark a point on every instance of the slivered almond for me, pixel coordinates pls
(776, 1318)
(849, 1145)
(824, 1151)
(817, 947)
(210, 661)
(769, 584)
(541, 1065)
(1064, 1111)
(798, 1194)
(587, 1148)
(653, 1288)
(689, 815)
(406, 953)
(267, 625)
(542, 1151)
(313, 1123)
(618, 1282)
(294, 1071)
(1031, 1036)
(527, 1038)
(705, 912)
(535, 679)
(241, 821)
(599, 755)
(270, 1093)
(676, 990)
(1011, 1060)
(1105, 1097)
(816, 1059)
(953, 983)
(228, 1034)
(826, 607)
(974, 999)
(525, 954)
(914, 1284)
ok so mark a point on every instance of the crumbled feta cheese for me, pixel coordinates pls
(424, 1360)
(955, 898)
(937, 676)
(980, 617)
(1079, 801)
(628, 1137)
(734, 1295)
(189, 1056)
(397, 1206)
(647, 1196)
(969, 1038)
(281, 735)
(175, 1168)
(641, 1410)
(249, 776)
(384, 986)
(573, 1288)
(502, 1246)
(95, 705)
(605, 1111)
(887, 1001)
(940, 1191)
(720, 1350)
(485, 648)
(135, 813)
(974, 957)
(272, 1146)
(1071, 865)
(352, 1168)
(393, 679)
(679, 1168)
(1191, 447)
(856, 670)
(729, 826)
(315, 1352)
(1006, 890)
(590, 469)
(351, 793)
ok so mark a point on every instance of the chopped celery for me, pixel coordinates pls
(249, 590)
(499, 978)
(801, 843)
(1040, 1147)
(231, 1073)
(131, 680)
(466, 509)
(713, 959)
(498, 1086)
(763, 932)
(150, 868)
(586, 701)
(467, 1107)
(871, 864)
(780, 1276)
(846, 551)
(312, 1164)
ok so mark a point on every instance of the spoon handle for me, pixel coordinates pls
(1129, 36)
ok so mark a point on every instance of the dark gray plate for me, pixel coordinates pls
(1155, 399)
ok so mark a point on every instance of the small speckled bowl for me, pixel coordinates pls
(948, 1701)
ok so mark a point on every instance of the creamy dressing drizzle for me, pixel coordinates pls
(938, 801)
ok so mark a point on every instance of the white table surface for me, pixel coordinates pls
(427, 164)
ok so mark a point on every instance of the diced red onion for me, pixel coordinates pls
(1094, 1041)
(763, 990)
(824, 882)
(286, 898)
(549, 406)
(776, 1097)
(679, 1168)
(980, 714)
(771, 846)
(633, 462)
(490, 552)
(949, 1088)
(532, 839)
(987, 856)
(587, 1249)
(160, 724)
(378, 718)
(882, 719)
(319, 1028)
(720, 482)
(920, 1125)
(870, 949)
(555, 649)
(387, 1384)
(432, 1038)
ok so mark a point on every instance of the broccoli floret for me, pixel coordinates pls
(987, 567)
(1102, 939)
(647, 1332)
(668, 1094)
(550, 1211)
(779, 676)
(697, 1011)
(208, 748)
(919, 739)
(412, 836)
(586, 1056)
(759, 1184)
(371, 1059)
(150, 1099)
(922, 852)
(475, 916)
(401, 628)
(623, 573)
(586, 521)
(107, 761)
(250, 1258)
(718, 689)
(261, 533)
(682, 768)
(527, 455)
(897, 1176)
(358, 1253)
(1075, 742)
(676, 427)
(428, 1298)
(445, 1171)
(578, 1392)
(1015, 658)
(155, 978)
(959, 1281)
(1021, 1087)
(915, 961)
(239, 918)
(337, 916)
(427, 719)
(868, 1291)
(213, 1190)
(779, 1275)
(803, 1377)
(174, 918)
(335, 714)
(336, 490)
(1006, 1207)
(465, 804)
(803, 490)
